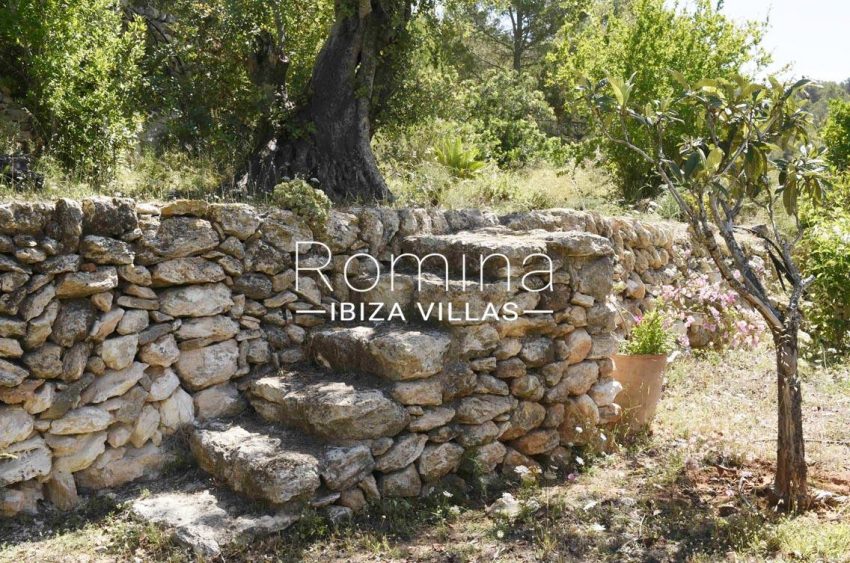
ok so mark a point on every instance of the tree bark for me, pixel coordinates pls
(790, 485)
(328, 139)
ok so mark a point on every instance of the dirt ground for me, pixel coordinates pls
(693, 490)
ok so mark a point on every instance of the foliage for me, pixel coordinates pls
(644, 40)
(711, 306)
(825, 255)
(76, 65)
(462, 162)
(648, 336)
(309, 203)
(836, 134)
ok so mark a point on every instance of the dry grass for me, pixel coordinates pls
(688, 492)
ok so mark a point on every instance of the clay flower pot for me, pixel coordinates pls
(641, 378)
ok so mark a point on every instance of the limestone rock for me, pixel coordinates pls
(183, 236)
(218, 401)
(236, 219)
(16, 424)
(73, 323)
(109, 216)
(604, 392)
(87, 448)
(191, 270)
(133, 321)
(419, 392)
(25, 460)
(177, 410)
(45, 362)
(117, 466)
(432, 418)
(577, 381)
(526, 417)
(105, 250)
(84, 284)
(208, 366)
(578, 344)
(118, 353)
(405, 451)
(62, 490)
(145, 427)
(11, 375)
(345, 466)
(439, 460)
(82, 421)
(106, 324)
(161, 352)
(215, 328)
(163, 383)
(481, 408)
(196, 300)
(113, 383)
(537, 442)
(404, 483)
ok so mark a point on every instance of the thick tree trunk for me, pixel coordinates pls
(790, 485)
(329, 138)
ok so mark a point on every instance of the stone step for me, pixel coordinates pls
(277, 465)
(329, 405)
(472, 249)
(395, 352)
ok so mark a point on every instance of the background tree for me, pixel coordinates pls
(642, 39)
(747, 143)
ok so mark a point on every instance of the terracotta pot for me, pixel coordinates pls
(641, 378)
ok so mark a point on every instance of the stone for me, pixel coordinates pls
(604, 347)
(283, 228)
(525, 417)
(345, 466)
(163, 382)
(404, 483)
(254, 286)
(481, 408)
(82, 420)
(577, 381)
(16, 424)
(118, 353)
(45, 362)
(34, 304)
(537, 442)
(510, 369)
(106, 324)
(109, 216)
(256, 464)
(105, 250)
(554, 416)
(477, 434)
(190, 270)
(331, 409)
(132, 321)
(84, 284)
(161, 352)
(28, 459)
(68, 398)
(10, 348)
(86, 449)
(489, 385)
(405, 451)
(178, 237)
(119, 434)
(113, 383)
(432, 418)
(131, 302)
(420, 392)
(237, 219)
(135, 274)
(11, 375)
(218, 401)
(216, 328)
(528, 387)
(438, 460)
(12, 328)
(41, 399)
(262, 257)
(67, 223)
(537, 352)
(484, 459)
(477, 341)
(208, 366)
(605, 392)
(145, 427)
(581, 416)
(73, 323)
(177, 411)
(61, 490)
(117, 466)
(399, 355)
(578, 344)
(103, 301)
(196, 300)
(184, 207)
(207, 521)
(353, 499)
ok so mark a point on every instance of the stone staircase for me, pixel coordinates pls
(389, 409)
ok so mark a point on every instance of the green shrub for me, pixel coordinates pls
(76, 67)
(648, 337)
(461, 161)
(309, 203)
(825, 255)
(836, 134)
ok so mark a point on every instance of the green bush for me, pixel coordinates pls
(648, 337)
(309, 203)
(76, 67)
(825, 255)
(836, 134)
(461, 161)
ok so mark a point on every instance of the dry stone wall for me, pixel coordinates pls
(123, 322)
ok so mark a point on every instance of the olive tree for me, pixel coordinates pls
(748, 146)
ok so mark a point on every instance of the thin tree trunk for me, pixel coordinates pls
(790, 484)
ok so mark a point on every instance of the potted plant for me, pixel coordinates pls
(640, 370)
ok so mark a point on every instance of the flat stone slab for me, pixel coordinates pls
(329, 405)
(209, 519)
(396, 353)
(270, 464)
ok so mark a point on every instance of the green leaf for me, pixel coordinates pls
(713, 160)
(619, 89)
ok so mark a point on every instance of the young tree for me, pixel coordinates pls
(747, 144)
